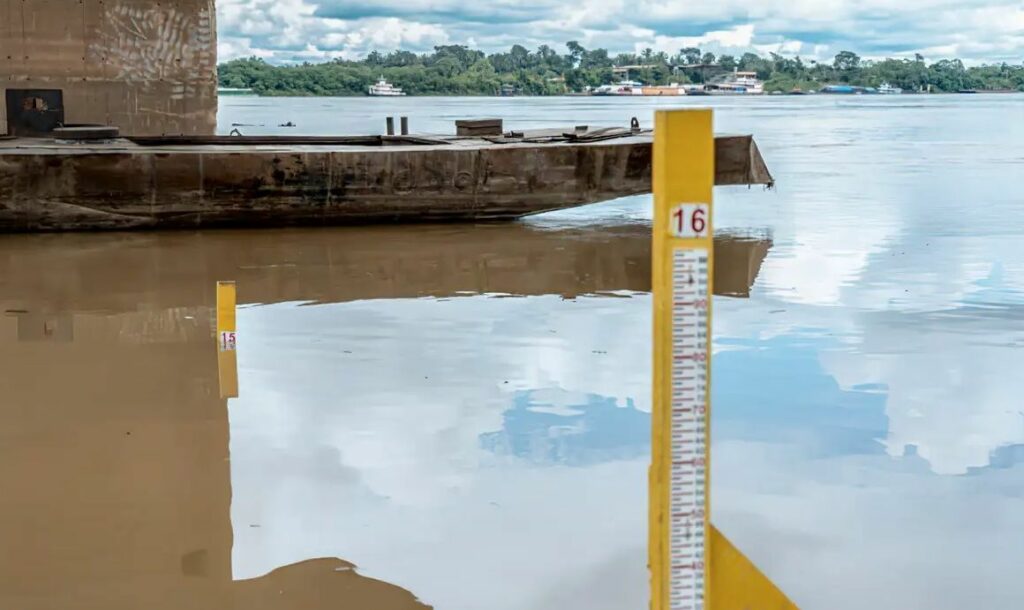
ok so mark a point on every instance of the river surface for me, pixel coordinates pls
(458, 417)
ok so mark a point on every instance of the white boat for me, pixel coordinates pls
(386, 89)
(625, 87)
(741, 83)
(888, 89)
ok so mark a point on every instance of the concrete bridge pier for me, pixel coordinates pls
(144, 66)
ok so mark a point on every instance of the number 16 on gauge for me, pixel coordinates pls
(689, 220)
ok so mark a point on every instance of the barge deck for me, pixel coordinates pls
(235, 181)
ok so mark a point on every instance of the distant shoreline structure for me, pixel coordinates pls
(384, 89)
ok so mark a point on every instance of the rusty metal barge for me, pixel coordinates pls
(75, 81)
(220, 181)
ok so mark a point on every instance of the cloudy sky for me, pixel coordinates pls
(297, 30)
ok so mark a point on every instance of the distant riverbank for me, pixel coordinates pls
(454, 70)
(587, 95)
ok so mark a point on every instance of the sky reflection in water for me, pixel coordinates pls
(463, 412)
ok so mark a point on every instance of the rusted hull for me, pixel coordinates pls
(55, 188)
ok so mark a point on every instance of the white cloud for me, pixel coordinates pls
(741, 36)
(295, 30)
(389, 33)
(380, 461)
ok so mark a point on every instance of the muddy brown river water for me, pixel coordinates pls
(458, 416)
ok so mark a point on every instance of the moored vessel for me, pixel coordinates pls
(740, 83)
(625, 87)
(659, 90)
(189, 182)
(385, 89)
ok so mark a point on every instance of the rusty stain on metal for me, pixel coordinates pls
(45, 186)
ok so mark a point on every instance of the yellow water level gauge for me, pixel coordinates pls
(227, 339)
(693, 567)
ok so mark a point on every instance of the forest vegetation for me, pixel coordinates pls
(458, 70)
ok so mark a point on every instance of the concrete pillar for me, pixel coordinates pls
(145, 66)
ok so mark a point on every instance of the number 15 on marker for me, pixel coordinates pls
(689, 220)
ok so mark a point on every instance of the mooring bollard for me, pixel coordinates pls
(391, 125)
(405, 126)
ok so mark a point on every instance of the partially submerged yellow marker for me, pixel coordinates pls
(227, 339)
(693, 567)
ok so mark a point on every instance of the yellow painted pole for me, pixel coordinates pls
(693, 566)
(227, 301)
(683, 178)
(227, 339)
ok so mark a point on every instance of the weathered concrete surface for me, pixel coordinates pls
(145, 66)
(49, 187)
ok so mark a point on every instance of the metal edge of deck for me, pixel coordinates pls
(683, 176)
(738, 160)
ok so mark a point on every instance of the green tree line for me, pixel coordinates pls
(458, 70)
